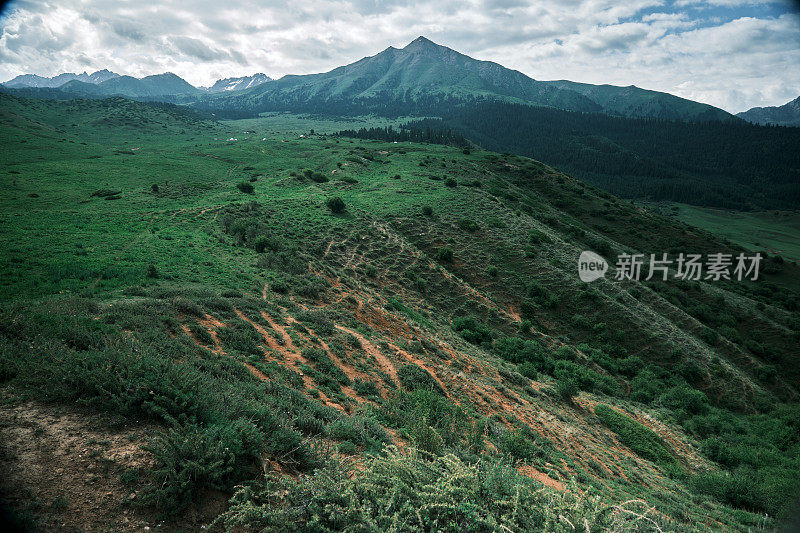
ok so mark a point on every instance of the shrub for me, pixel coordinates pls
(537, 237)
(468, 225)
(630, 366)
(445, 255)
(567, 388)
(426, 407)
(472, 331)
(450, 182)
(685, 399)
(190, 459)
(317, 177)
(642, 440)
(414, 377)
(529, 370)
(541, 295)
(336, 205)
(365, 388)
(359, 430)
(152, 271)
(427, 210)
(420, 492)
(518, 444)
(516, 350)
(265, 243)
(246, 187)
(287, 261)
(371, 271)
(324, 364)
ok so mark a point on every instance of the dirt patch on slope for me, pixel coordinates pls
(63, 468)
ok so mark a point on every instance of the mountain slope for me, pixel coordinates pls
(415, 78)
(208, 303)
(786, 115)
(642, 103)
(714, 163)
(425, 77)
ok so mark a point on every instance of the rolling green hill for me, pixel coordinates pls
(234, 321)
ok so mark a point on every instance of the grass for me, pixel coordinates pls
(776, 232)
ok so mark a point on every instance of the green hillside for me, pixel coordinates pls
(634, 102)
(237, 325)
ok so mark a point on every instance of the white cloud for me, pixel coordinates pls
(734, 64)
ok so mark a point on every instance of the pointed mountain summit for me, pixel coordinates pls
(422, 76)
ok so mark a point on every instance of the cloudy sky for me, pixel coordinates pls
(735, 54)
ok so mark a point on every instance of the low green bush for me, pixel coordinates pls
(246, 187)
(416, 491)
(472, 331)
(445, 254)
(414, 377)
(642, 440)
(336, 205)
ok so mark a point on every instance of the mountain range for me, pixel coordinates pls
(416, 79)
(786, 115)
(32, 80)
(106, 83)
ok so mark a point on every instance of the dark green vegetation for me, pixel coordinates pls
(426, 356)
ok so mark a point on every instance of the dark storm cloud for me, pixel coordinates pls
(735, 60)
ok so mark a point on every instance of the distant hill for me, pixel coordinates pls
(238, 84)
(424, 77)
(32, 80)
(786, 115)
(147, 87)
(634, 102)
